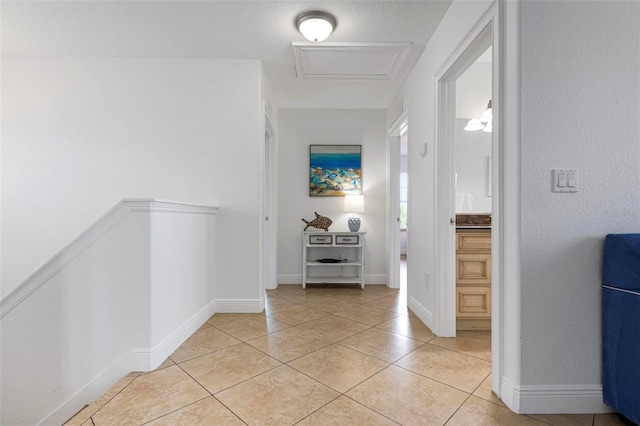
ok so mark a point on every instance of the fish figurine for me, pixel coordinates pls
(320, 222)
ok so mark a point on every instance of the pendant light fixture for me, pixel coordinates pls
(315, 25)
(487, 114)
(473, 125)
(483, 123)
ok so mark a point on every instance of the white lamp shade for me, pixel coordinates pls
(316, 26)
(489, 127)
(486, 115)
(354, 203)
(473, 125)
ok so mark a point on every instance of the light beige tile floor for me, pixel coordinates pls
(322, 356)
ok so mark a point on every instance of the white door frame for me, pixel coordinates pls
(393, 199)
(268, 205)
(485, 33)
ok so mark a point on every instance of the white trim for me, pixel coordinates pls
(268, 206)
(83, 241)
(154, 205)
(554, 399)
(401, 48)
(503, 17)
(393, 197)
(465, 54)
(373, 279)
(425, 315)
(505, 236)
(395, 127)
(148, 359)
(138, 359)
(290, 279)
(92, 391)
(510, 394)
(239, 305)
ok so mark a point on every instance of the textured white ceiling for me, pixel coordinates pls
(223, 29)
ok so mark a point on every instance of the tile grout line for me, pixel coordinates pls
(360, 403)
(438, 381)
(111, 399)
(455, 350)
(458, 409)
(252, 377)
(177, 409)
(222, 390)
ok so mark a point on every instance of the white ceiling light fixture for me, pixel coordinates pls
(473, 125)
(487, 114)
(315, 25)
(484, 123)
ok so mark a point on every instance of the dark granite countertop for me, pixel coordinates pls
(473, 220)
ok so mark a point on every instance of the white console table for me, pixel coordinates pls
(333, 257)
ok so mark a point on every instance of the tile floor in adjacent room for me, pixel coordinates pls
(321, 356)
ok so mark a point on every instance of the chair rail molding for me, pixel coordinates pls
(83, 241)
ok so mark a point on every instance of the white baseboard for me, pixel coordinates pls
(421, 311)
(297, 279)
(376, 279)
(240, 305)
(138, 359)
(148, 359)
(553, 399)
(290, 279)
(92, 391)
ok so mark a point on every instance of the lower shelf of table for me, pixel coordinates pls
(333, 280)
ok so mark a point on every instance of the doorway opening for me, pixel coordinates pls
(484, 36)
(398, 178)
(269, 231)
(473, 195)
(403, 205)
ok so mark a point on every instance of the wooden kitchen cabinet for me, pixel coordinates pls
(473, 279)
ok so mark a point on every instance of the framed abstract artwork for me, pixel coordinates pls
(335, 170)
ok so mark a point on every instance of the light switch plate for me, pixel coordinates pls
(564, 180)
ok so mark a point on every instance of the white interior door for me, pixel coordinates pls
(393, 179)
(269, 248)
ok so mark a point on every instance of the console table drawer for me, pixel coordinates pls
(320, 239)
(347, 239)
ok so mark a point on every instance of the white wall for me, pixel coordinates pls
(80, 134)
(149, 267)
(580, 107)
(471, 149)
(417, 94)
(299, 128)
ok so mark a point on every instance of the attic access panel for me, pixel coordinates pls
(352, 61)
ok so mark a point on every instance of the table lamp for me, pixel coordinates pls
(354, 204)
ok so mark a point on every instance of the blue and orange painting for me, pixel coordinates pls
(335, 170)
